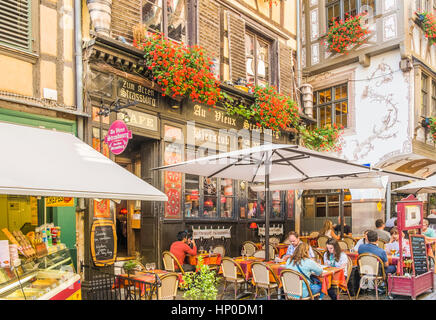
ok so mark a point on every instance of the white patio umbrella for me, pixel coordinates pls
(270, 163)
(424, 186)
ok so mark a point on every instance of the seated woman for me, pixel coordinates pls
(328, 230)
(393, 246)
(334, 257)
(301, 262)
(364, 240)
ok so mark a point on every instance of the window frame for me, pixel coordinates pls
(190, 15)
(424, 94)
(270, 81)
(331, 103)
(331, 3)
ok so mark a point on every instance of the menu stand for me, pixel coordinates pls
(421, 280)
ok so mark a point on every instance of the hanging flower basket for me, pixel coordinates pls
(344, 34)
(322, 138)
(180, 71)
(427, 22)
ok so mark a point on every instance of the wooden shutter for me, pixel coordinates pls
(15, 22)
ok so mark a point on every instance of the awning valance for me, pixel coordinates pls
(43, 162)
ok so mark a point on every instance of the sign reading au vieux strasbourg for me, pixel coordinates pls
(118, 137)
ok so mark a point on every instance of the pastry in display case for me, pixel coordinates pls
(51, 277)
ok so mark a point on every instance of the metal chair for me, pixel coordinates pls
(250, 248)
(343, 245)
(322, 241)
(168, 288)
(350, 242)
(261, 278)
(259, 254)
(274, 240)
(293, 282)
(372, 268)
(233, 273)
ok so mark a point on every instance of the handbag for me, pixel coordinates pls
(312, 279)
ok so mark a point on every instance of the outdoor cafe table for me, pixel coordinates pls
(148, 277)
(330, 276)
(309, 240)
(208, 259)
(281, 248)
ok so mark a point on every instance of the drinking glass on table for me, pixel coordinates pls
(147, 266)
(201, 249)
(152, 266)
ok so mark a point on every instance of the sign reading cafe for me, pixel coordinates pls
(136, 92)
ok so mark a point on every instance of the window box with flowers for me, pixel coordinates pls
(321, 139)
(344, 34)
(427, 22)
(179, 70)
(432, 127)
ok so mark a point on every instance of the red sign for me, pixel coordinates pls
(118, 137)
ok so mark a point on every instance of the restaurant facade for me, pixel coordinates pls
(166, 131)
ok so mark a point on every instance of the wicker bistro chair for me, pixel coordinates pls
(261, 278)
(350, 242)
(250, 247)
(259, 254)
(170, 262)
(168, 288)
(272, 251)
(322, 241)
(274, 240)
(343, 245)
(233, 273)
(349, 270)
(319, 257)
(372, 268)
(293, 282)
(220, 249)
(381, 243)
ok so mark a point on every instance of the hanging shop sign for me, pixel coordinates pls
(103, 242)
(212, 233)
(118, 137)
(136, 92)
(59, 202)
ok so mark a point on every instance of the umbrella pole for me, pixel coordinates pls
(267, 209)
(341, 212)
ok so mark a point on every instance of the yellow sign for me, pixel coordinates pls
(34, 211)
(59, 202)
(379, 206)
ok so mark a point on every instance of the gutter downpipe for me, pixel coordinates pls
(299, 71)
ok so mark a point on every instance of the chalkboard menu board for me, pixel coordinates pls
(103, 242)
(419, 254)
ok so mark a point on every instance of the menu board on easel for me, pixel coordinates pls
(103, 242)
(418, 251)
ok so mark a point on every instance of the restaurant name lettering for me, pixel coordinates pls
(218, 116)
(133, 91)
(205, 135)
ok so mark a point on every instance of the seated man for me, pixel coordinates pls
(295, 242)
(380, 230)
(347, 228)
(372, 247)
(182, 247)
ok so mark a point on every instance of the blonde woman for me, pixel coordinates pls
(328, 230)
(300, 261)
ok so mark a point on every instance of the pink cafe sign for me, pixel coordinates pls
(118, 137)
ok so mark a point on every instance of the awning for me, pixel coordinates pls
(41, 162)
(425, 186)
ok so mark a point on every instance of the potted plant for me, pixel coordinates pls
(432, 127)
(201, 285)
(130, 266)
(322, 138)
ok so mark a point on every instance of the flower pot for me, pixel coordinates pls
(100, 12)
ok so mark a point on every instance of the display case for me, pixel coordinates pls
(51, 277)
